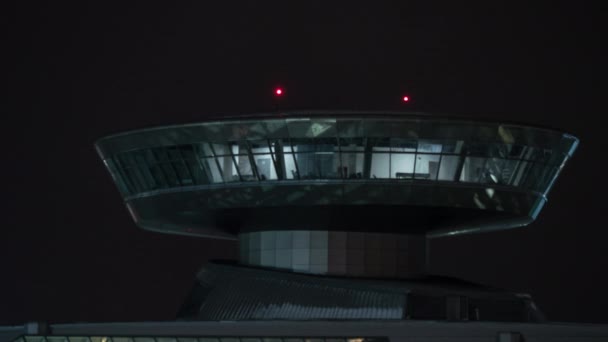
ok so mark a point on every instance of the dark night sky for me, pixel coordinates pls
(68, 249)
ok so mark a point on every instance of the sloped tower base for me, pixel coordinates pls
(230, 292)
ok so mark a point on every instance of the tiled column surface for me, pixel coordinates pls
(335, 253)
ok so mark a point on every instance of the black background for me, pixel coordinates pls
(70, 252)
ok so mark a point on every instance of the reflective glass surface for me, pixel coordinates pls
(339, 149)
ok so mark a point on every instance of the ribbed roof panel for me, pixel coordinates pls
(260, 296)
(226, 292)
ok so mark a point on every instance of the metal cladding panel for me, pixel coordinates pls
(373, 255)
(259, 296)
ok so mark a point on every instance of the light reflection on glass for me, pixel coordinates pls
(315, 155)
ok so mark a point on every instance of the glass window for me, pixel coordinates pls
(352, 144)
(479, 150)
(472, 169)
(205, 149)
(122, 167)
(311, 127)
(186, 151)
(174, 153)
(429, 146)
(145, 171)
(170, 174)
(548, 177)
(322, 127)
(136, 184)
(265, 166)
(194, 168)
(402, 145)
(278, 142)
(212, 169)
(159, 176)
(156, 171)
(221, 149)
(352, 165)
(452, 146)
(501, 151)
(228, 169)
(306, 165)
(540, 154)
(537, 176)
(149, 156)
(326, 144)
(529, 153)
(314, 157)
(174, 167)
(142, 171)
(245, 168)
(380, 165)
(499, 171)
(117, 176)
(519, 171)
(182, 171)
(380, 144)
(137, 179)
(515, 151)
(447, 167)
(350, 128)
(240, 147)
(402, 165)
(259, 146)
(427, 166)
(329, 164)
(160, 154)
(290, 164)
(302, 145)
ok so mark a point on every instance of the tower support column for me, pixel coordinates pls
(374, 255)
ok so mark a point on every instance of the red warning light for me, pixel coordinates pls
(278, 91)
(406, 98)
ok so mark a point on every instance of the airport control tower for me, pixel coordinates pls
(333, 210)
